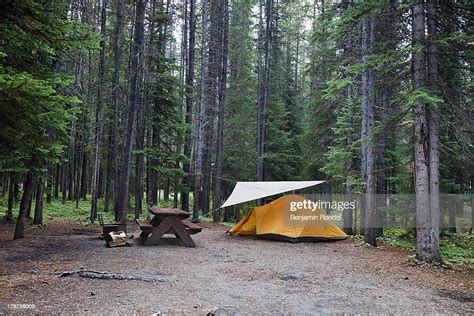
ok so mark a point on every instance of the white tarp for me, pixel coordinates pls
(248, 191)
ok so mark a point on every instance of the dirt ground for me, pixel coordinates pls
(227, 274)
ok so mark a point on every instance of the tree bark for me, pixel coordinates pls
(25, 200)
(77, 187)
(69, 181)
(139, 162)
(115, 102)
(263, 92)
(98, 113)
(84, 177)
(368, 121)
(198, 152)
(433, 117)
(387, 36)
(133, 104)
(30, 202)
(139, 166)
(259, 90)
(38, 218)
(427, 242)
(348, 218)
(189, 106)
(153, 137)
(381, 189)
(262, 85)
(220, 125)
(211, 98)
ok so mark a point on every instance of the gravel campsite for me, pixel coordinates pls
(222, 275)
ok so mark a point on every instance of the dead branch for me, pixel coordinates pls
(104, 275)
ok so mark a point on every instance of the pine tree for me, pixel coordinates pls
(31, 89)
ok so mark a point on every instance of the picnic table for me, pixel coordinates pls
(168, 221)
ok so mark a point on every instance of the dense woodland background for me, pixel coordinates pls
(126, 102)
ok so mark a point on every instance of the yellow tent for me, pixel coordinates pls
(270, 221)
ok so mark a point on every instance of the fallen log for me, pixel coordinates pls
(104, 275)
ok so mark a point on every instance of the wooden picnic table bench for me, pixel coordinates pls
(193, 227)
(167, 221)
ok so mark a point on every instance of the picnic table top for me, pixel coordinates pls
(159, 211)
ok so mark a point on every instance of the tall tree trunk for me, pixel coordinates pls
(30, 202)
(381, 189)
(363, 129)
(109, 176)
(266, 82)
(263, 92)
(433, 124)
(139, 167)
(313, 83)
(348, 218)
(84, 176)
(189, 105)
(166, 190)
(427, 242)
(198, 152)
(260, 112)
(140, 145)
(387, 36)
(38, 218)
(77, 167)
(368, 121)
(77, 187)
(98, 113)
(69, 181)
(211, 98)
(25, 200)
(133, 104)
(220, 117)
(116, 90)
(153, 140)
(207, 161)
(143, 128)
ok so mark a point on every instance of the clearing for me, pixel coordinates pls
(226, 273)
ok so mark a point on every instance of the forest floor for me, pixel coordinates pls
(222, 273)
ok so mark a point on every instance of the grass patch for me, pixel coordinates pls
(57, 211)
(456, 249)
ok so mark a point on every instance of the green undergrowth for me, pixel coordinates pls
(58, 211)
(456, 249)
